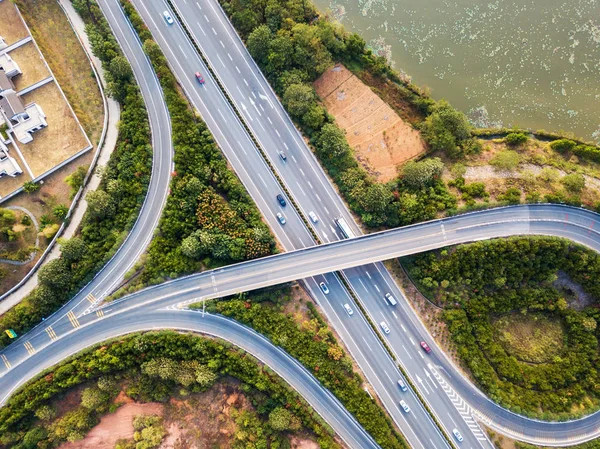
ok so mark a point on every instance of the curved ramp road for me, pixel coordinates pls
(141, 233)
(332, 411)
(578, 225)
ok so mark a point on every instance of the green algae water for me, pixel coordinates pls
(529, 63)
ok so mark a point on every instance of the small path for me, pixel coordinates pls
(112, 134)
(37, 238)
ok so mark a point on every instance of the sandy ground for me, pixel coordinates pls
(62, 137)
(31, 64)
(11, 26)
(115, 426)
(380, 138)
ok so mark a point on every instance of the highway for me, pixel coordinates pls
(578, 225)
(312, 192)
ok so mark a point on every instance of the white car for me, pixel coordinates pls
(348, 309)
(457, 435)
(405, 406)
(168, 18)
(324, 288)
(281, 218)
(385, 327)
(313, 216)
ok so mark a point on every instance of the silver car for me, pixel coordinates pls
(385, 327)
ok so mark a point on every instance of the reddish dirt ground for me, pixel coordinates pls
(381, 139)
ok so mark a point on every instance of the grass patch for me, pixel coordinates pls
(531, 338)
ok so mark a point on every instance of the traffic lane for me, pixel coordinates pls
(303, 174)
(231, 137)
(378, 368)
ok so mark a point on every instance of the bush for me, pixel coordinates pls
(422, 173)
(515, 139)
(574, 182)
(446, 129)
(562, 145)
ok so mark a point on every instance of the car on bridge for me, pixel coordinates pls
(349, 310)
(324, 288)
(199, 77)
(404, 406)
(385, 327)
(425, 347)
(281, 218)
(457, 435)
(281, 200)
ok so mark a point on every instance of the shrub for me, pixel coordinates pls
(515, 139)
(506, 160)
(562, 145)
(574, 182)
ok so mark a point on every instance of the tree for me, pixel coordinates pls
(45, 413)
(60, 211)
(94, 399)
(332, 141)
(31, 187)
(75, 179)
(205, 377)
(120, 69)
(280, 419)
(73, 249)
(506, 160)
(298, 99)
(259, 43)
(355, 45)
(422, 173)
(445, 129)
(574, 182)
(55, 275)
(100, 205)
(191, 247)
(314, 117)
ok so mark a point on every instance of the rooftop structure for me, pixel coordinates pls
(23, 120)
(10, 67)
(3, 44)
(5, 81)
(8, 165)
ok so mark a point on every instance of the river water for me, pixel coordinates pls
(531, 63)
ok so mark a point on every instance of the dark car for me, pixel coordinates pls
(281, 200)
(425, 347)
(199, 77)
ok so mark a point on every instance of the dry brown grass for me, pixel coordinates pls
(67, 59)
(31, 64)
(11, 26)
(62, 137)
(381, 139)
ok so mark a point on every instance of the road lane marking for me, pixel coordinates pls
(411, 340)
(408, 353)
(214, 31)
(394, 313)
(403, 328)
(206, 18)
(221, 60)
(222, 116)
(269, 120)
(263, 181)
(287, 148)
(368, 346)
(326, 210)
(368, 275)
(277, 132)
(201, 29)
(310, 185)
(198, 5)
(325, 236)
(29, 347)
(242, 147)
(91, 298)
(230, 58)
(51, 333)
(301, 189)
(388, 376)
(246, 82)
(184, 55)
(222, 44)
(237, 68)
(421, 355)
(363, 284)
(261, 125)
(6, 362)
(73, 319)
(100, 313)
(377, 288)
(302, 171)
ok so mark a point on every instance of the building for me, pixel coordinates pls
(8, 165)
(10, 67)
(5, 82)
(3, 44)
(22, 120)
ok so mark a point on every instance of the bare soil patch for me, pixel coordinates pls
(11, 26)
(31, 64)
(115, 426)
(61, 139)
(68, 61)
(381, 139)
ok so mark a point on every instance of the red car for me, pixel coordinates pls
(425, 347)
(199, 78)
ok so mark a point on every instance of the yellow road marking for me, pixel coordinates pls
(51, 333)
(73, 319)
(100, 313)
(29, 347)
(91, 298)
(5, 360)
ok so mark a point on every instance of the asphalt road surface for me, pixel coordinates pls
(575, 224)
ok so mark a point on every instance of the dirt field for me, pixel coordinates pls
(381, 139)
(11, 27)
(62, 137)
(115, 426)
(31, 64)
(65, 56)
